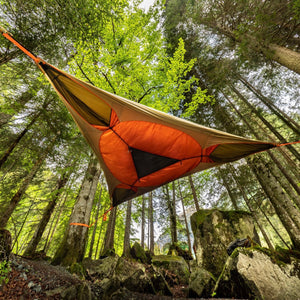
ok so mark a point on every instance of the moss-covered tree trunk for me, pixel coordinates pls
(194, 192)
(109, 239)
(72, 247)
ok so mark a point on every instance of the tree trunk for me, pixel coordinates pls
(126, 245)
(283, 169)
(172, 214)
(7, 211)
(31, 247)
(278, 112)
(110, 233)
(95, 225)
(194, 193)
(270, 186)
(13, 145)
(247, 201)
(8, 56)
(284, 56)
(268, 124)
(229, 191)
(185, 220)
(72, 248)
(151, 224)
(143, 223)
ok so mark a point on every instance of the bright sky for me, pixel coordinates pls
(147, 3)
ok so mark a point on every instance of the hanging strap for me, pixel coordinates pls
(285, 144)
(104, 216)
(8, 36)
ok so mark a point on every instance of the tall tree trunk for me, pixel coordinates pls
(185, 219)
(143, 223)
(95, 225)
(72, 247)
(253, 212)
(278, 112)
(151, 224)
(268, 124)
(31, 247)
(194, 193)
(270, 186)
(7, 211)
(98, 241)
(283, 169)
(126, 245)
(282, 55)
(172, 214)
(13, 145)
(229, 191)
(110, 233)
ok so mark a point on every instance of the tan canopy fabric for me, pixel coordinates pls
(140, 148)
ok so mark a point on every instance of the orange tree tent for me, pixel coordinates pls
(140, 148)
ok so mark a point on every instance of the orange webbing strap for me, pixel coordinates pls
(104, 216)
(10, 38)
(279, 145)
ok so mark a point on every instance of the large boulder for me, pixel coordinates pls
(214, 230)
(101, 268)
(137, 252)
(252, 274)
(175, 265)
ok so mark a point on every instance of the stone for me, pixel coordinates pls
(126, 268)
(101, 268)
(214, 230)
(137, 252)
(201, 283)
(251, 274)
(174, 264)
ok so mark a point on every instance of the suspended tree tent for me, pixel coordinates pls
(140, 148)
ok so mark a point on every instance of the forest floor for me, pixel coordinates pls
(37, 279)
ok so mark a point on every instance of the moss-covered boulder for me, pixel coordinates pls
(137, 252)
(201, 283)
(100, 268)
(214, 230)
(175, 265)
(252, 274)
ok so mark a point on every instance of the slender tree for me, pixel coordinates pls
(72, 247)
(126, 245)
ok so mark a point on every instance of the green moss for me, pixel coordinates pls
(78, 269)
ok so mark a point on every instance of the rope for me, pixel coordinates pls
(17, 44)
(104, 216)
(279, 145)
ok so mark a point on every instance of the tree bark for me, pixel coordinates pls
(194, 193)
(13, 145)
(72, 247)
(7, 211)
(126, 245)
(172, 213)
(31, 247)
(95, 225)
(151, 224)
(268, 124)
(143, 223)
(274, 109)
(110, 233)
(270, 186)
(185, 220)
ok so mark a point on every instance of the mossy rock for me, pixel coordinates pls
(138, 253)
(174, 264)
(78, 269)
